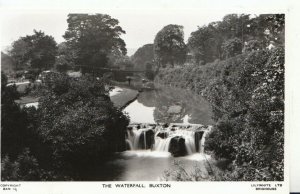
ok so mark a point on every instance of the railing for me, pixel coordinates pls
(110, 69)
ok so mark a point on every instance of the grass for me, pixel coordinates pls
(27, 99)
(125, 97)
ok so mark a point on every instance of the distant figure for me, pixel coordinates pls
(129, 80)
(22, 78)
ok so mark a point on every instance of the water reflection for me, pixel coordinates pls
(140, 113)
(146, 165)
(166, 104)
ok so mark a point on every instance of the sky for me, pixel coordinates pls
(140, 27)
(141, 19)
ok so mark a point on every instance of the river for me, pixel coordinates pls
(164, 105)
(170, 105)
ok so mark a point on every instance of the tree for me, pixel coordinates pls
(247, 95)
(143, 55)
(79, 122)
(65, 58)
(266, 28)
(124, 62)
(149, 71)
(37, 51)
(114, 58)
(232, 47)
(20, 54)
(169, 46)
(6, 63)
(13, 123)
(93, 38)
(234, 25)
(253, 45)
(205, 44)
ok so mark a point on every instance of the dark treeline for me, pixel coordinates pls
(245, 85)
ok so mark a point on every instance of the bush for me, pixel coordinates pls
(79, 122)
(232, 47)
(75, 127)
(24, 168)
(247, 97)
(178, 173)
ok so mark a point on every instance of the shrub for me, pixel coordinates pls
(247, 97)
(79, 122)
(24, 168)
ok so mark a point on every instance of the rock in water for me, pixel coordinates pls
(177, 146)
(165, 125)
(198, 137)
(162, 134)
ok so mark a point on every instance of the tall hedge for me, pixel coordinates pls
(247, 96)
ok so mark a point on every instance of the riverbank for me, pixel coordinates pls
(124, 97)
(246, 93)
(27, 99)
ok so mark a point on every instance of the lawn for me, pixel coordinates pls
(125, 97)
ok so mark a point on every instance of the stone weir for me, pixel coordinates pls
(177, 138)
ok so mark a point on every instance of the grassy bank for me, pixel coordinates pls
(125, 97)
(27, 99)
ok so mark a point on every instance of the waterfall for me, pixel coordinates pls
(179, 140)
(190, 143)
(162, 144)
(145, 140)
(129, 144)
(202, 141)
(136, 138)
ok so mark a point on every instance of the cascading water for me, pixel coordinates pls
(138, 138)
(178, 140)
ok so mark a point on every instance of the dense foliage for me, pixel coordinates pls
(17, 163)
(247, 95)
(6, 63)
(35, 51)
(75, 127)
(65, 59)
(79, 121)
(93, 38)
(143, 55)
(245, 86)
(226, 38)
(169, 46)
(12, 120)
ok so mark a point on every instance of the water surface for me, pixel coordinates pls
(163, 104)
(147, 165)
(166, 104)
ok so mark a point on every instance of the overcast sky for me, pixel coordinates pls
(141, 19)
(140, 27)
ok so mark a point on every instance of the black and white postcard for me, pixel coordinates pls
(163, 99)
